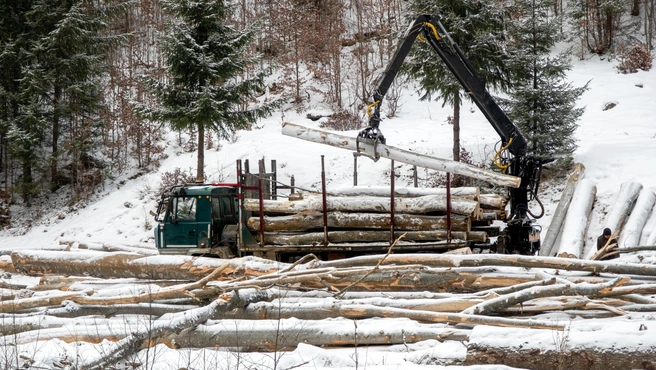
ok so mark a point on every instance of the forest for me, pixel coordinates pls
(86, 85)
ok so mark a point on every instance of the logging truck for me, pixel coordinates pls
(522, 235)
(216, 219)
(227, 220)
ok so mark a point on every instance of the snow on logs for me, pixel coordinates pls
(630, 235)
(577, 219)
(397, 154)
(561, 210)
(363, 214)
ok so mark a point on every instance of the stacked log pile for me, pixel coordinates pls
(250, 304)
(364, 214)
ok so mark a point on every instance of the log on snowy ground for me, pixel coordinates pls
(132, 265)
(143, 248)
(314, 220)
(479, 260)
(630, 234)
(400, 155)
(266, 335)
(623, 205)
(577, 220)
(546, 248)
(369, 236)
(423, 204)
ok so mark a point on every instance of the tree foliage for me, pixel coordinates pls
(207, 86)
(542, 103)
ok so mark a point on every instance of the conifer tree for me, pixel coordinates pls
(207, 88)
(477, 26)
(542, 103)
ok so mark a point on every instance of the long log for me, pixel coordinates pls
(631, 232)
(399, 155)
(423, 204)
(368, 236)
(546, 248)
(470, 192)
(577, 220)
(629, 192)
(314, 220)
(132, 265)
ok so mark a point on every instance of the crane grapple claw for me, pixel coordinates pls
(372, 136)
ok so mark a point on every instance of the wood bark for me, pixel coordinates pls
(547, 246)
(368, 236)
(131, 265)
(400, 155)
(577, 220)
(314, 220)
(623, 205)
(423, 204)
(630, 235)
(384, 191)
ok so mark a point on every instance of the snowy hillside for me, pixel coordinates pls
(615, 145)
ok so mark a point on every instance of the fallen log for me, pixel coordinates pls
(476, 260)
(133, 265)
(577, 220)
(632, 230)
(281, 335)
(623, 205)
(547, 246)
(423, 204)
(368, 236)
(314, 220)
(505, 301)
(400, 155)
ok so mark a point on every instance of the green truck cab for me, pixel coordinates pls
(200, 219)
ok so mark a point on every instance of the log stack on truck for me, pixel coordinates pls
(218, 220)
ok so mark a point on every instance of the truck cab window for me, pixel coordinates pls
(185, 208)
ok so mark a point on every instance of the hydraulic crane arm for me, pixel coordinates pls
(522, 236)
(424, 27)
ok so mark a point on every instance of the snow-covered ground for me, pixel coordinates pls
(615, 146)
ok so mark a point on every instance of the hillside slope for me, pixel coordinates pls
(615, 145)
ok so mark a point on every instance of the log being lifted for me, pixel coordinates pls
(314, 220)
(423, 204)
(369, 236)
(400, 155)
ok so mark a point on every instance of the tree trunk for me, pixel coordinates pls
(577, 220)
(200, 165)
(623, 205)
(384, 191)
(314, 220)
(561, 210)
(400, 155)
(630, 235)
(369, 236)
(424, 204)
(456, 125)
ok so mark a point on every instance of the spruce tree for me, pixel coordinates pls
(542, 103)
(477, 26)
(207, 87)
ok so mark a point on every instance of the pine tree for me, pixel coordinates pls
(477, 26)
(207, 86)
(542, 103)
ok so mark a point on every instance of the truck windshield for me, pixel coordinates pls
(185, 208)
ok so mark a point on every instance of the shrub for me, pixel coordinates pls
(342, 121)
(176, 177)
(634, 57)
